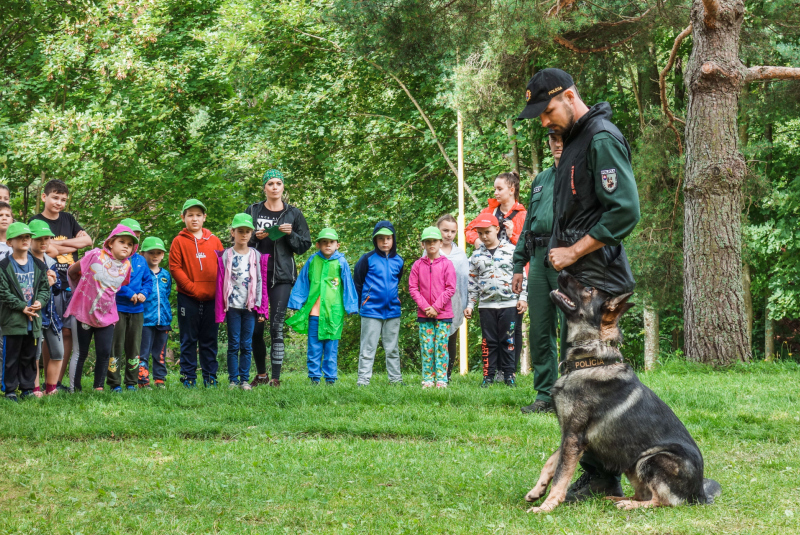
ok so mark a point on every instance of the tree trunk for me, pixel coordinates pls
(716, 326)
(748, 300)
(650, 337)
(535, 161)
(769, 333)
(512, 138)
(680, 88)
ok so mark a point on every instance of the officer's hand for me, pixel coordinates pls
(522, 306)
(562, 257)
(468, 313)
(516, 283)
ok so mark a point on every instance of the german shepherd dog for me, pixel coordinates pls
(603, 408)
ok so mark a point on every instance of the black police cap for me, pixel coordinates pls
(544, 85)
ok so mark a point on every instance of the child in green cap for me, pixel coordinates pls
(432, 284)
(51, 345)
(323, 293)
(157, 316)
(131, 298)
(241, 298)
(24, 290)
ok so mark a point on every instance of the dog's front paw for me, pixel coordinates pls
(535, 493)
(546, 507)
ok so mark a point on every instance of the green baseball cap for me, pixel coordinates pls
(431, 233)
(126, 233)
(242, 220)
(131, 224)
(151, 243)
(192, 203)
(383, 232)
(40, 229)
(327, 234)
(18, 229)
(272, 173)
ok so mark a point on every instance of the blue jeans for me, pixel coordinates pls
(241, 323)
(198, 327)
(154, 343)
(321, 352)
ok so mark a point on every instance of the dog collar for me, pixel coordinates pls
(592, 342)
(585, 364)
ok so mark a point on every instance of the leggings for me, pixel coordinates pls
(451, 351)
(103, 339)
(278, 299)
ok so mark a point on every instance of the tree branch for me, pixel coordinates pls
(761, 73)
(416, 105)
(662, 85)
(566, 43)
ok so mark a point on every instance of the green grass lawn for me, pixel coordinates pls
(303, 459)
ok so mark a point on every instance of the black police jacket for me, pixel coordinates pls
(595, 193)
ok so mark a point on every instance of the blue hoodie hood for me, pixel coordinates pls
(384, 224)
(377, 277)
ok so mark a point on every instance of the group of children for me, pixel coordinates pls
(121, 299)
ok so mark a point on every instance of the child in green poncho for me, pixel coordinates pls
(323, 294)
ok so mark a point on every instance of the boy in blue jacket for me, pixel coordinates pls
(157, 316)
(128, 330)
(377, 277)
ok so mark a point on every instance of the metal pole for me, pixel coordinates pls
(462, 240)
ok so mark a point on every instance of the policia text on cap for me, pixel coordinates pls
(595, 206)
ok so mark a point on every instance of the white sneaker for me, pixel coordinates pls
(246, 386)
(427, 384)
(233, 385)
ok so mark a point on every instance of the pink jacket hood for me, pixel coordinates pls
(117, 230)
(433, 283)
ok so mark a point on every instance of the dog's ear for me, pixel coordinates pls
(612, 304)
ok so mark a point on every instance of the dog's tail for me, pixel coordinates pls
(711, 489)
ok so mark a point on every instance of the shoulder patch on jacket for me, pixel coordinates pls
(609, 179)
(537, 189)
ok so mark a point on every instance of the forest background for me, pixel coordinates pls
(139, 105)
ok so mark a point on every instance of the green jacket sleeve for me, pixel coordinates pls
(43, 292)
(617, 193)
(520, 259)
(7, 296)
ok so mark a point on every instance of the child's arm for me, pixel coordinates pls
(301, 288)
(473, 287)
(349, 290)
(147, 284)
(413, 288)
(74, 274)
(360, 274)
(7, 297)
(449, 287)
(43, 292)
(176, 269)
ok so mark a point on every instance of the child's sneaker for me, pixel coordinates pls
(427, 384)
(397, 383)
(510, 382)
(441, 384)
(260, 381)
(246, 386)
(189, 383)
(62, 388)
(116, 389)
(330, 382)
(11, 396)
(160, 383)
(314, 382)
(274, 382)
(146, 386)
(487, 382)
(25, 394)
(131, 388)
(232, 384)
(49, 390)
(211, 382)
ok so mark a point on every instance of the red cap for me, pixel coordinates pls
(484, 220)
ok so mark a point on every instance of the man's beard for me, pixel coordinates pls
(563, 130)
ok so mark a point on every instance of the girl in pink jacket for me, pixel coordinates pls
(241, 298)
(432, 284)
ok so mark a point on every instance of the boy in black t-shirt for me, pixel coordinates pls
(69, 238)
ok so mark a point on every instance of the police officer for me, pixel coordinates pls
(595, 206)
(532, 247)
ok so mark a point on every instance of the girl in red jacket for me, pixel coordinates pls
(432, 284)
(506, 208)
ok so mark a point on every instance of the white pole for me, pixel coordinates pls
(462, 240)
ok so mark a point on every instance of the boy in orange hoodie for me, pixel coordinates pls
(193, 265)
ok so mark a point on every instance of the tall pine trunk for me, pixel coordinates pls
(716, 326)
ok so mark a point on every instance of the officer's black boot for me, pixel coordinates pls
(592, 484)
